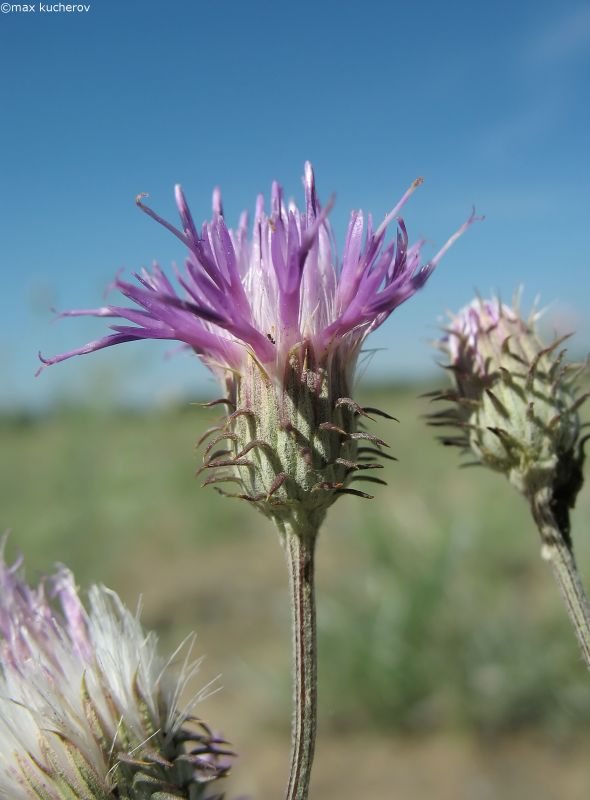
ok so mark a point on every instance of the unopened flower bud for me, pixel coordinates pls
(88, 709)
(517, 401)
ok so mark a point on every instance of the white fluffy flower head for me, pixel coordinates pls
(88, 709)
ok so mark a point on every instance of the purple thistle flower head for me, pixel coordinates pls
(281, 323)
(279, 289)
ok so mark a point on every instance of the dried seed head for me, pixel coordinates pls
(517, 402)
(88, 709)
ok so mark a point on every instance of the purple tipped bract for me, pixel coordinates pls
(264, 294)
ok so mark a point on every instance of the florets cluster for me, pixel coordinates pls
(88, 709)
(517, 401)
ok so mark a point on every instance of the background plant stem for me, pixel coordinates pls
(299, 550)
(558, 551)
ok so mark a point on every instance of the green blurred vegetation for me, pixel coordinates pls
(436, 611)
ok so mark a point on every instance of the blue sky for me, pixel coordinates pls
(488, 101)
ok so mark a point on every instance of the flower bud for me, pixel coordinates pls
(88, 709)
(517, 401)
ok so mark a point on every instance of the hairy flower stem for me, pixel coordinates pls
(299, 549)
(558, 551)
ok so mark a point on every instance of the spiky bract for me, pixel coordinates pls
(292, 449)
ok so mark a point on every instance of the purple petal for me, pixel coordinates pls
(91, 347)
